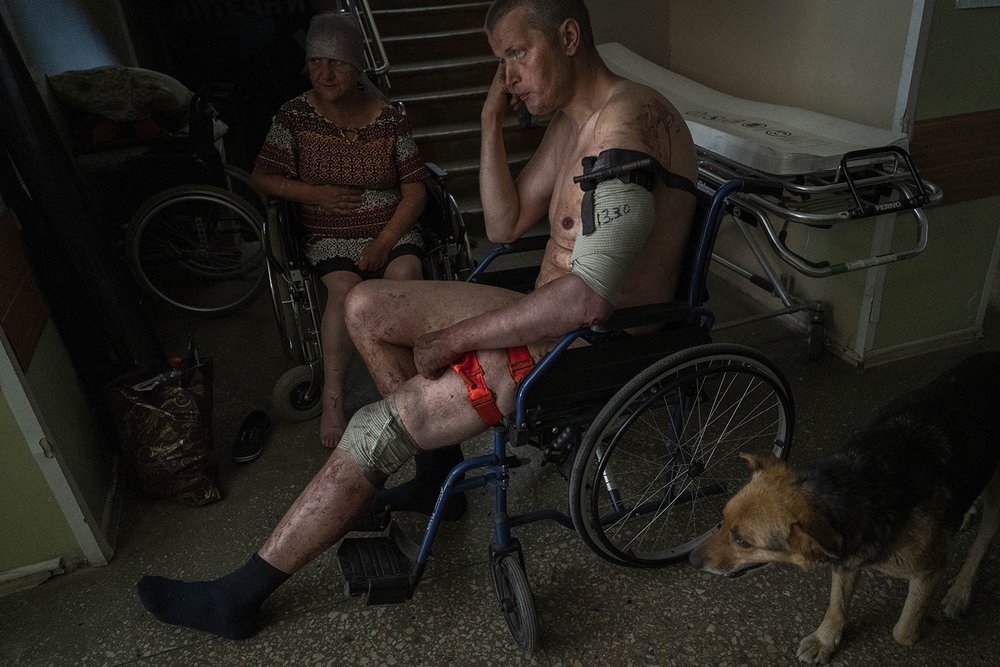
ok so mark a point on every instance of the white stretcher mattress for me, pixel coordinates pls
(771, 138)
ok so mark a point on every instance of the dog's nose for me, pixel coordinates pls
(695, 559)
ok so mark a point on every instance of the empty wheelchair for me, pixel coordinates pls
(648, 425)
(298, 309)
(196, 242)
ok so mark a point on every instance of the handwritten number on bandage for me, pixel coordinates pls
(606, 215)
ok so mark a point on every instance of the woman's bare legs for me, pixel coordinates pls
(337, 352)
(337, 346)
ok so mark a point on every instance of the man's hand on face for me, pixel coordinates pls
(432, 354)
(499, 98)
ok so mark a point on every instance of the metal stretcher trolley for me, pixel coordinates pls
(831, 172)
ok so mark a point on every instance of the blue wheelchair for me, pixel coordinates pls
(648, 425)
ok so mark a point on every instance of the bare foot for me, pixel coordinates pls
(332, 422)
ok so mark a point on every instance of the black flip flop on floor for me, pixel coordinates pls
(249, 441)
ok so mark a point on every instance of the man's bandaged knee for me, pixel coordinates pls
(623, 216)
(377, 439)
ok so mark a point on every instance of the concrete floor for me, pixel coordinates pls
(590, 612)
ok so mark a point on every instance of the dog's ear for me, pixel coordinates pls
(815, 538)
(758, 461)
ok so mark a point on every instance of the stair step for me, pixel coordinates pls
(376, 568)
(450, 95)
(402, 4)
(436, 35)
(401, 20)
(423, 75)
(418, 10)
(447, 43)
(441, 69)
(444, 152)
(470, 166)
(461, 129)
(456, 104)
(438, 64)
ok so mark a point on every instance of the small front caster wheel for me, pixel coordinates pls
(291, 397)
(516, 601)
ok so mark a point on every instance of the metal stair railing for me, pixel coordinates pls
(378, 61)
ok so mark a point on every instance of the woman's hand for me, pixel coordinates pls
(374, 256)
(339, 199)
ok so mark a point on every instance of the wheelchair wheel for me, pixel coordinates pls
(197, 248)
(291, 399)
(238, 182)
(516, 601)
(660, 460)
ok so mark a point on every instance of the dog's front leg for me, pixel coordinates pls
(918, 598)
(820, 645)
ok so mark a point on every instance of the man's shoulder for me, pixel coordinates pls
(629, 99)
(636, 116)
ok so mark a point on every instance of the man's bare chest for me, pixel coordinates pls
(567, 199)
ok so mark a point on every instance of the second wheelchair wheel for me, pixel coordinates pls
(198, 248)
(516, 600)
(296, 394)
(238, 182)
(660, 460)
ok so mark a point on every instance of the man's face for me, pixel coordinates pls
(536, 70)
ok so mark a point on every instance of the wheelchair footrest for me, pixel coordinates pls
(376, 568)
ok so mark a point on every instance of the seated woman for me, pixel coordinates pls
(349, 159)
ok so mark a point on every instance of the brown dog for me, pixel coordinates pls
(890, 500)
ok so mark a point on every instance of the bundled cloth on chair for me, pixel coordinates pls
(165, 432)
(113, 107)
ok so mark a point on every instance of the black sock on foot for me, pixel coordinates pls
(228, 606)
(420, 493)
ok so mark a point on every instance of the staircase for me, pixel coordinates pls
(441, 67)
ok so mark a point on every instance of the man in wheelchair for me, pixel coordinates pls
(618, 235)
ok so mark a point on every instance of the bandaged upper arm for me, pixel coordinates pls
(623, 215)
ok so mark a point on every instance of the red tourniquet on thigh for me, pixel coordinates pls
(519, 363)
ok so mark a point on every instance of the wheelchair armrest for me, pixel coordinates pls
(523, 244)
(671, 312)
(437, 172)
(527, 244)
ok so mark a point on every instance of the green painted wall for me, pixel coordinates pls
(32, 523)
(85, 451)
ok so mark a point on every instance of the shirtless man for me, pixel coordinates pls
(620, 246)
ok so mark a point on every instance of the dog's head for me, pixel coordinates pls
(770, 520)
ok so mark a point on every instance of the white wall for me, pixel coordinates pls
(58, 35)
(841, 58)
